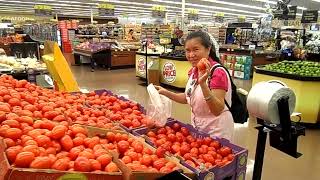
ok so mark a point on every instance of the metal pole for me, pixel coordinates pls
(91, 15)
(183, 13)
(260, 149)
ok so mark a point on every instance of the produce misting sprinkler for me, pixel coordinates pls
(264, 99)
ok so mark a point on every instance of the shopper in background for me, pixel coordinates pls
(130, 36)
(205, 96)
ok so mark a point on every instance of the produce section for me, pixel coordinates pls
(59, 121)
(81, 133)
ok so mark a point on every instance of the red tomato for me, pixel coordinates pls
(172, 137)
(126, 159)
(58, 132)
(41, 163)
(61, 164)
(138, 147)
(87, 154)
(118, 137)
(146, 160)
(66, 142)
(201, 65)
(184, 131)
(111, 167)
(13, 133)
(43, 141)
(215, 144)
(23, 159)
(123, 146)
(14, 102)
(184, 149)
(32, 148)
(230, 157)
(11, 123)
(12, 152)
(176, 127)
(82, 164)
(133, 155)
(165, 170)
(100, 152)
(162, 131)
(95, 165)
(158, 164)
(77, 141)
(207, 141)
(104, 159)
(187, 156)
(51, 150)
(225, 151)
(208, 158)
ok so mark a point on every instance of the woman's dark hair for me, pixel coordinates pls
(131, 30)
(206, 42)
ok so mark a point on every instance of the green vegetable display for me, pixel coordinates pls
(301, 68)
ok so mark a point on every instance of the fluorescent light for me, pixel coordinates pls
(210, 7)
(234, 4)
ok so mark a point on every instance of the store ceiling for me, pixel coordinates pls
(252, 9)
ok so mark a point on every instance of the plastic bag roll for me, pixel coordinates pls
(262, 100)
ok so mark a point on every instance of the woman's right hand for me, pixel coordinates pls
(160, 89)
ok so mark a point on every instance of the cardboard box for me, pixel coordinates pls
(230, 170)
(129, 174)
(7, 172)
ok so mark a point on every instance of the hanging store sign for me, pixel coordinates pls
(309, 16)
(219, 17)
(241, 19)
(158, 11)
(106, 9)
(42, 10)
(193, 14)
(290, 15)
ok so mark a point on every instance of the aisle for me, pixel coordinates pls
(276, 165)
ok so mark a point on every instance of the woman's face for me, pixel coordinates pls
(195, 51)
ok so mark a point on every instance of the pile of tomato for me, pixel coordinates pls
(177, 140)
(41, 129)
(38, 126)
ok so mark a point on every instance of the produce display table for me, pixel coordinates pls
(96, 57)
(174, 71)
(305, 88)
(142, 59)
(123, 58)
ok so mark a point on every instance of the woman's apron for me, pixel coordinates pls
(201, 117)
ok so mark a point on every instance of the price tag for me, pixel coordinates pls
(73, 177)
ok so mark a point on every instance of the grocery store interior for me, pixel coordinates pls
(108, 89)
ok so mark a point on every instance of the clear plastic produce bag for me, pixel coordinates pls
(160, 108)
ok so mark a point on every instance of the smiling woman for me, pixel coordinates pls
(205, 95)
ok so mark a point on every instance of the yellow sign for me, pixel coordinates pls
(159, 8)
(193, 11)
(242, 17)
(106, 6)
(42, 7)
(73, 177)
(220, 14)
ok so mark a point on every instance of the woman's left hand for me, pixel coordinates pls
(203, 75)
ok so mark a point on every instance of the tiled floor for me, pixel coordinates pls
(277, 165)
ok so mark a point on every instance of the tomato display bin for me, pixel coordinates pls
(128, 174)
(7, 172)
(231, 170)
(101, 91)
